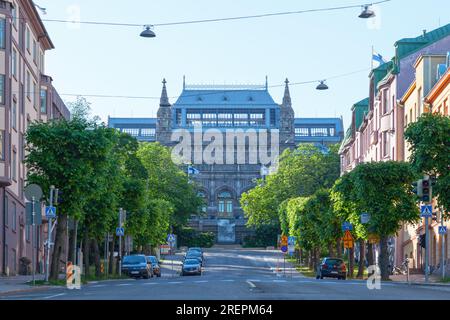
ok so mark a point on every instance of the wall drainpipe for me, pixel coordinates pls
(4, 233)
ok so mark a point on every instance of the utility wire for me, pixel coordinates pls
(209, 93)
(216, 19)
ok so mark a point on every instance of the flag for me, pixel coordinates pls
(377, 58)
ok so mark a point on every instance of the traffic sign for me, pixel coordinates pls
(171, 237)
(50, 212)
(284, 249)
(348, 244)
(365, 218)
(426, 211)
(291, 240)
(442, 229)
(33, 191)
(348, 236)
(120, 232)
(284, 241)
(347, 226)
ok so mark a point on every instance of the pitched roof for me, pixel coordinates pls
(232, 96)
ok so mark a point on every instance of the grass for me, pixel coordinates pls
(445, 280)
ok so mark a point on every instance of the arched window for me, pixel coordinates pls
(225, 204)
(202, 195)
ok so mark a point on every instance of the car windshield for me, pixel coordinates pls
(133, 259)
(190, 261)
(193, 257)
(332, 262)
(194, 253)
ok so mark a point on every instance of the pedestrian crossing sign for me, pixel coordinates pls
(442, 229)
(426, 211)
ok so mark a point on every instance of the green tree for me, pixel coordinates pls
(429, 140)
(382, 189)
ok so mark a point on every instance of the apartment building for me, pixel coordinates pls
(26, 95)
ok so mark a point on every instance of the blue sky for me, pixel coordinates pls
(116, 61)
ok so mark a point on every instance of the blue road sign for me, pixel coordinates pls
(347, 226)
(442, 230)
(171, 238)
(50, 212)
(291, 241)
(426, 211)
(365, 218)
(192, 170)
(120, 232)
(284, 249)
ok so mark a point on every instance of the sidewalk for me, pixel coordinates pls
(18, 284)
(419, 279)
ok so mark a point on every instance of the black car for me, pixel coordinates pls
(332, 268)
(137, 266)
(155, 265)
(191, 266)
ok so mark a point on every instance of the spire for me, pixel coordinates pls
(287, 95)
(164, 98)
(184, 82)
(267, 83)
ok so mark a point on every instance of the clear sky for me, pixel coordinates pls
(116, 61)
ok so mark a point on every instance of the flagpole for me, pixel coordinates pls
(371, 60)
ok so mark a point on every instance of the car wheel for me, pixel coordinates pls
(317, 277)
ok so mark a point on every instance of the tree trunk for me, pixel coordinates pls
(384, 259)
(370, 258)
(310, 259)
(111, 256)
(97, 262)
(362, 249)
(60, 238)
(330, 250)
(86, 252)
(338, 248)
(351, 262)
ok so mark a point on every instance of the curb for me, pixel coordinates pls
(32, 289)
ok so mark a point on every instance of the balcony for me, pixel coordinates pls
(386, 123)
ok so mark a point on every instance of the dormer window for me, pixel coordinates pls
(250, 98)
(199, 99)
(225, 98)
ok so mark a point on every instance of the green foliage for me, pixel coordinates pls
(429, 140)
(191, 238)
(166, 181)
(265, 235)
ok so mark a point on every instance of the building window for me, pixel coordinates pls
(34, 52)
(301, 132)
(2, 33)
(14, 262)
(148, 132)
(2, 89)
(14, 16)
(225, 204)
(178, 117)
(2, 145)
(385, 144)
(6, 210)
(33, 99)
(14, 114)
(14, 63)
(319, 132)
(131, 131)
(28, 233)
(14, 166)
(14, 216)
(28, 88)
(28, 39)
(43, 101)
(332, 132)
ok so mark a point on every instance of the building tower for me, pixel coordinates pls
(164, 118)
(287, 131)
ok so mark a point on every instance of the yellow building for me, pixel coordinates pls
(429, 92)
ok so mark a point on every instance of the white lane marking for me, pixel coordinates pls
(124, 284)
(201, 281)
(93, 282)
(175, 282)
(227, 280)
(279, 280)
(99, 286)
(254, 280)
(149, 283)
(54, 296)
(251, 284)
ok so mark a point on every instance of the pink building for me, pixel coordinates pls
(376, 131)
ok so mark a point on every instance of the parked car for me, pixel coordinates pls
(196, 249)
(194, 255)
(333, 268)
(155, 265)
(191, 266)
(137, 266)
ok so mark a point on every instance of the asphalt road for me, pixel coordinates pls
(232, 273)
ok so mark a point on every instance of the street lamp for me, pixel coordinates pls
(148, 32)
(322, 86)
(367, 13)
